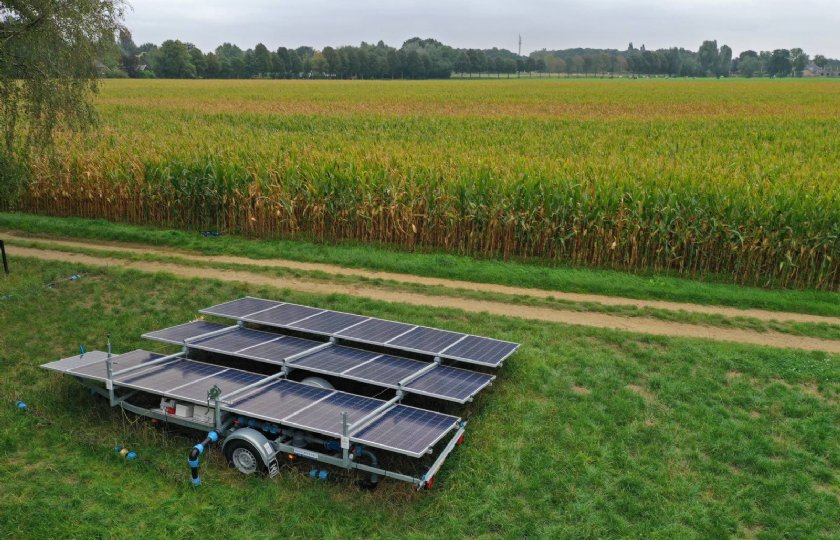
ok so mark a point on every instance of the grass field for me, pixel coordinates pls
(586, 434)
(732, 178)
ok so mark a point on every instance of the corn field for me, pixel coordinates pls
(739, 179)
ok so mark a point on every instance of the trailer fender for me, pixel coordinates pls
(257, 440)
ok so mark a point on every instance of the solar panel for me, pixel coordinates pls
(228, 381)
(177, 334)
(277, 400)
(325, 416)
(328, 322)
(233, 341)
(406, 430)
(67, 365)
(449, 383)
(390, 334)
(426, 339)
(276, 351)
(336, 360)
(241, 307)
(376, 331)
(99, 370)
(169, 375)
(282, 315)
(480, 350)
(386, 370)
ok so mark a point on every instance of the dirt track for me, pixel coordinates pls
(761, 314)
(599, 320)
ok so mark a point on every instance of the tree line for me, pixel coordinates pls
(430, 59)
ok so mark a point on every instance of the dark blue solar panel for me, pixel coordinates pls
(241, 307)
(406, 429)
(282, 315)
(166, 376)
(426, 339)
(449, 383)
(235, 340)
(376, 331)
(480, 350)
(325, 416)
(275, 351)
(177, 334)
(228, 381)
(328, 322)
(99, 370)
(387, 370)
(277, 400)
(335, 359)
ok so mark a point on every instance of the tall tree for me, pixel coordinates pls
(779, 63)
(262, 60)
(709, 57)
(724, 61)
(48, 73)
(798, 60)
(172, 60)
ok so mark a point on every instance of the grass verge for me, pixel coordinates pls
(533, 274)
(586, 434)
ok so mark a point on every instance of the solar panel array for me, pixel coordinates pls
(346, 326)
(399, 428)
(448, 383)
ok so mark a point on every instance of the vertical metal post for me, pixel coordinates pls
(345, 439)
(217, 424)
(109, 368)
(3, 251)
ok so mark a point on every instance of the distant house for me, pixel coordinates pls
(813, 70)
(101, 68)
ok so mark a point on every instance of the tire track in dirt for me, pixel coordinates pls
(591, 319)
(760, 314)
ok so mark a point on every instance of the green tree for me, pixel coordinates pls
(820, 61)
(724, 61)
(779, 63)
(199, 61)
(709, 57)
(798, 61)
(261, 60)
(48, 73)
(173, 61)
(749, 66)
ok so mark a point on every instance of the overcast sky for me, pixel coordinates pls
(813, 25)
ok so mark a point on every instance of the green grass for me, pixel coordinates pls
(817, 330)
(534, 274)
(586, 434)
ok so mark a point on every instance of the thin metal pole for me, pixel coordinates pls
(3, 251)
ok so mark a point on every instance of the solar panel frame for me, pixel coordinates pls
(238, 378)
(68, 364)
(385, 370)
(304, 396)
(180, 332)
(325, 361)
(444, 424)
(98, 371)
(360, 332)
(419, 385)
(153, 379)
(247, 305)
(283, 315)
(325, 417)
(234, 341)
(329, 322)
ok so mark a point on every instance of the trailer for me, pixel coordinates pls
(237, 383)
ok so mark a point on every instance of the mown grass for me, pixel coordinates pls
(586, 434)
(818, 330)
(655, 286)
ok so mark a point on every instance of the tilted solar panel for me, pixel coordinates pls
(390, 334)
(449, 383)
(406, 430)
(177, 334)
(386, 370)
(325, 416)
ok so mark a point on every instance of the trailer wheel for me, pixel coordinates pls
(244, 457)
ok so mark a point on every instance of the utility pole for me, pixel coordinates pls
(519, 57)
(520, 44)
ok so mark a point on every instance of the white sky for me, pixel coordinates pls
(813, 25)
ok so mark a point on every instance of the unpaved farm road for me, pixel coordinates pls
(761, 314)
(599, 320)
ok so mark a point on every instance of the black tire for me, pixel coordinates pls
(242, 456)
